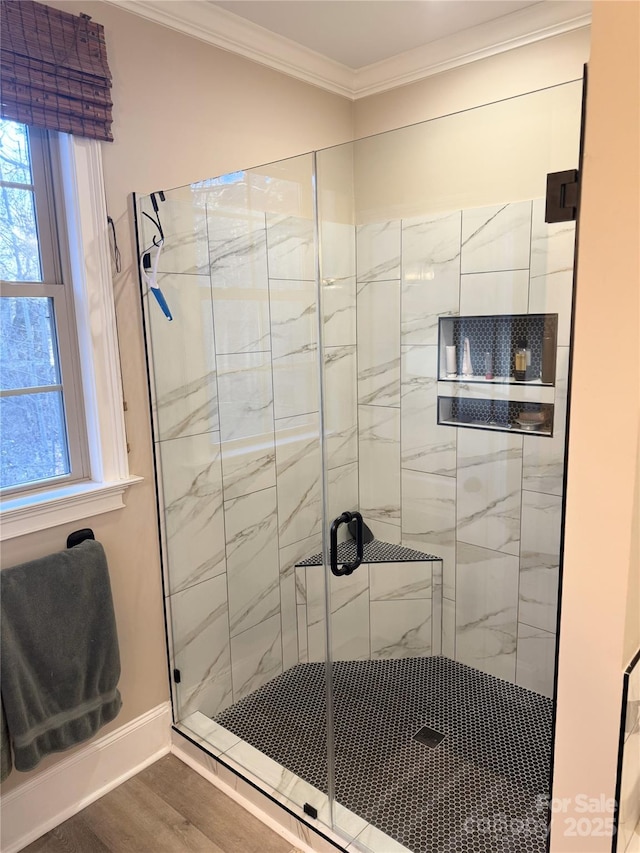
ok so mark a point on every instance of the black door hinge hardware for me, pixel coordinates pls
(562, 196)
(176, 676)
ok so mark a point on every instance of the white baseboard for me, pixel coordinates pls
(58, 793)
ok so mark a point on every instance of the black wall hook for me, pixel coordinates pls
(79, 536)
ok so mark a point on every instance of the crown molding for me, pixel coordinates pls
(219, 27)
(535, 23)
(216, 26)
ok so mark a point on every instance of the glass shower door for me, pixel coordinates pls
(379, 331)
(234, 384)
(446, 303)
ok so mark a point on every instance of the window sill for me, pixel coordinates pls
(39, 511)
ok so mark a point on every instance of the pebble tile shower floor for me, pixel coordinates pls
(479, 791)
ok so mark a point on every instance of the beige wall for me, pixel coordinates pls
(499, 153)
(183, 111)
(535, 66)
(601, 536)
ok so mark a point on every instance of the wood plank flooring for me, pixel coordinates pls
(166, 808)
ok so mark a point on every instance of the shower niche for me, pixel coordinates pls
(498, 372)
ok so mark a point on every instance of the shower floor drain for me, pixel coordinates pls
(429, 737)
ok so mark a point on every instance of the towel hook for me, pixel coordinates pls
(79, 536)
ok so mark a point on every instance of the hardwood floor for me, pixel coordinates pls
(167, 808)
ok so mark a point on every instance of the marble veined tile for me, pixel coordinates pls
(378, 251)
(292, 554)
(551, 273)
(488, 489)
(629, 813)
(241, 319)
(385, 532)
(338, 251)
(540, 559)
(248, 464)
(379, 343)
(494, 293)
(245, 395)
(486, 610)
(349, 597)
(288, 788)
(341, 408)
(373, 840)
(288, 620)
(402, 581)
(496, 238)
(184, 363)
(200, 624)
(379, 464)
(343, 494)
(237, 248)
(429, 519)
(350, 616)
(400, 629)
(543, 458)
(289, 593)
(252, 559)
(290, 247)
(301, 583)
(430, 275)
(315, 616)
(294, 347)
(184, 224)
(256, 657)
(298, 472)
(194, 522)
(204, 730)
(436, 607)
(295, 553)
(632, 716)
(535, 661)
(339, 311)
(239, 280)
(426, 445)
(303, 652)
(449, 628)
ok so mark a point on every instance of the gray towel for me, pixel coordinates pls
(59, 652)
(6, 765)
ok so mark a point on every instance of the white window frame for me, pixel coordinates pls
(94, 308)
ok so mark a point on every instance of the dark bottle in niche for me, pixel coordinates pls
(522, 360)
(548, 372)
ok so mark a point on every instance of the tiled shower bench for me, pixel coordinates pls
(385, 609)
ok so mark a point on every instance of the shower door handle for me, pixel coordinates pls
(347, 568)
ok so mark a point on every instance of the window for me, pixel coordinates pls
(42, 439)
(80, 348)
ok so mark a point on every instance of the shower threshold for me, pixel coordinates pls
(480, 789)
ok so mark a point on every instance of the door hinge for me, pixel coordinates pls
(176, 676)
(562, 196)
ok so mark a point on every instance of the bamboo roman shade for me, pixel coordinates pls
(53, 70)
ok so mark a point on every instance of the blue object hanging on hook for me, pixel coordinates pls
(162, 302)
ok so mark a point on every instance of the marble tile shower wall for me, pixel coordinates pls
(488, 503)
(237, 429)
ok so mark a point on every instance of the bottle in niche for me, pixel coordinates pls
(520, 369)
(488, 365)
(548, 374)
